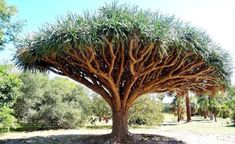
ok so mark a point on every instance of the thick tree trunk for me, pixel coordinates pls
(188, 108)
(120, 129)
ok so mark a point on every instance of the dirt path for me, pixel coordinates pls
(191, 137)
(184, 135)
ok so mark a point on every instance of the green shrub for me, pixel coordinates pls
(58, 116)
(167, 108)
(100, 108)
(225, 112)
(51, 104)
(146, 111)
(178, 107)
(7, 120)
(9, 91)
(233, 117)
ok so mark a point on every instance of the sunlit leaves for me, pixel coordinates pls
(121, 22)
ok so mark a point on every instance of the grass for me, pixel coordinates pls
(200, 125)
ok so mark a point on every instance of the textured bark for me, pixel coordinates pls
(120, 131)
(188, 107)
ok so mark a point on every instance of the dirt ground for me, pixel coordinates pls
(198, 131)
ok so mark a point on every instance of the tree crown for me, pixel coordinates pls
(121, 23)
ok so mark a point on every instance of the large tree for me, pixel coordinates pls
(8, 27)
(123, 52)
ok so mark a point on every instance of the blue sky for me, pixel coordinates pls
(217, 17)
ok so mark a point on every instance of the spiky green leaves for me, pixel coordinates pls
(121, 22)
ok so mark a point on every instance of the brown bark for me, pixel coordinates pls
(120, 127)
(188, 107)
(215, 117)
(205, 113)
(178, 115)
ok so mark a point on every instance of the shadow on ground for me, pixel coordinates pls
(91, 139)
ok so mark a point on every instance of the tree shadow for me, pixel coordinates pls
(231, 125)
(90, 139)
(170, 124)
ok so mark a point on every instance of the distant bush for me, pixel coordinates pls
(7, 120)
(167, 108)
(9, 91)
(233, 117)
(57, 116)
(51, 104)
(100, 108)
(178, 107)
(146, 111)
(225, 112)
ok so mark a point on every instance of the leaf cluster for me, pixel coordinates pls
(120, 23)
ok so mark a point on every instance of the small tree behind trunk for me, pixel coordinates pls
(188, 108)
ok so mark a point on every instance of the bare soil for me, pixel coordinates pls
(199, 131)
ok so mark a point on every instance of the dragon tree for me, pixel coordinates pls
(122, 52)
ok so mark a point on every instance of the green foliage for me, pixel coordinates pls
(146, 111)
(57, 116)
(178, 107)
(225, 111)
(167, 108)
(231, 102)
(7, 120)
(233, 117)
(215, 103)
(9, 86)
(121, 22)
(8, 28)
(203, 105)
(193, 105)
(32, 90)
(51, 104)
(9, 91)
(100, 108)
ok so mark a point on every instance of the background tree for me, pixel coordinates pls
(203, 106)
(146, 111)
(9, 91)
(9, 86)
(8, 28)
(32, 90)
(231, 102)
(51, 104)
(178, 107)
(100, 108)
(194, 105)
(210, 105)
(122, 53)
(215, 103)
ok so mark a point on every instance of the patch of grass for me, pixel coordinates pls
(98, 126)
(199, 125)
